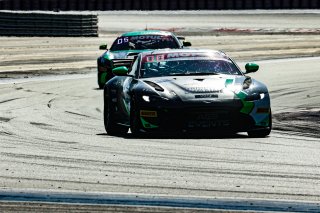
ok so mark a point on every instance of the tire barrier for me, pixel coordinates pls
(80, 5)
(48, 24)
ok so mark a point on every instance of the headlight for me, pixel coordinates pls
(247, 82)
(146, 98)
(153, 99)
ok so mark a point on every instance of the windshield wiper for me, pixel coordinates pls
(193, 73)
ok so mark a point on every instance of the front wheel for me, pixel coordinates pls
(261, 133)
(101, 86)
(111, 127)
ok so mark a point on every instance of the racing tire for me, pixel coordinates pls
(135, 123)
(111, 127)
(261, 133)
(101, 86)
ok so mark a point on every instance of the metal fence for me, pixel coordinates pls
(80, 5)
(47, 24)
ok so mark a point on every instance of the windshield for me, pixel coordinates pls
(157, 66)
(144, 42)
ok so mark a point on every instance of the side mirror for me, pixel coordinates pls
(251, 67)
(103, 47)
(120, 71)
(186, 44)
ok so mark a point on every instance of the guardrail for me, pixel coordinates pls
(156, 4)
(48, 24)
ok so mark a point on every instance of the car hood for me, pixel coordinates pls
(192, 88)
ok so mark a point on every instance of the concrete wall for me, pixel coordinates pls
(79, 5)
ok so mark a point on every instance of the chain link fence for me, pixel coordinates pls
(80, 5)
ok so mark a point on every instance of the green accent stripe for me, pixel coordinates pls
(103, 77)
(147, 125)
(228, 82)
(247, 105)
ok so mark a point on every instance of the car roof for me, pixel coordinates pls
(146, 32)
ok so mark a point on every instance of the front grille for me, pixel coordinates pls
(205, 118)
(122, 62)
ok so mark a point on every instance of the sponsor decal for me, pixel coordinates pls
(206, 96)
(208, 123)
(174, 55)
(203, 89)
(185, 54)
(151, 37)
(143, 39)
(148, 113)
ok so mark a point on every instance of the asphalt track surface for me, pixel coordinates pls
(53, 148)
(52, 138)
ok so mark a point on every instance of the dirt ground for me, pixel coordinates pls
(34, 56)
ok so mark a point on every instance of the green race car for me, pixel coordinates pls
(127, 46)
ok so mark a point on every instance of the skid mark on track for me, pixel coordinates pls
(303, 122)
(208, 171)
(277, 95)
(29, 90)
(4, 119)
(39, 124)
(79, 114)
(65, 142)
(5, 133)
(50, 102)
(8, 100)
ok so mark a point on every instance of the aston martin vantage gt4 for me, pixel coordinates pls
(186, 90)
(127, 46)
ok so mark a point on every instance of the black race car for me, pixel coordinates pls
(186, 90)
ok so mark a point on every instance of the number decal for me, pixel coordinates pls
(123, 40)
(150, 58)
(160, 57)
(155, 58)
